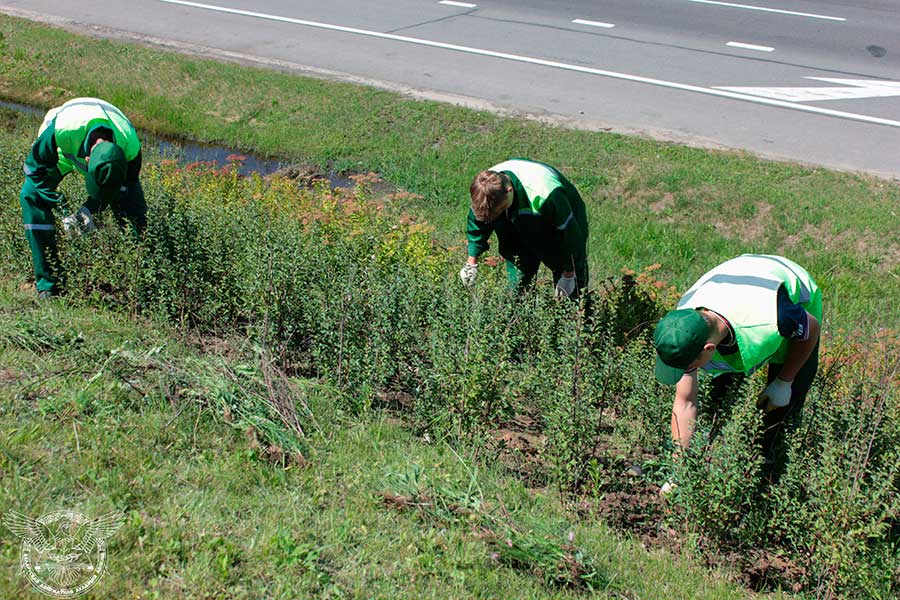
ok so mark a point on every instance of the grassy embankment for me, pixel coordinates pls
(388, 323)
(237, 481)
(98, 411)
(649, 202)
(563, 407)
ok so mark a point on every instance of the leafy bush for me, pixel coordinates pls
(827, 523)
(337, 285)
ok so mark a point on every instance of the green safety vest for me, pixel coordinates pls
(744, 290)
(537, 179)
(75, 119)
(547, 220)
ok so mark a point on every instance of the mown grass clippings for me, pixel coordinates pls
(555, 563)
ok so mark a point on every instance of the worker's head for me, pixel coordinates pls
(492, 193)
(683, 340)
(106, 171)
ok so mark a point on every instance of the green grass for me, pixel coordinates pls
(223, 500)
(94, 417)
(649, 202)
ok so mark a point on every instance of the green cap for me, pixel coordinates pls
(679, 338)
(106, 172)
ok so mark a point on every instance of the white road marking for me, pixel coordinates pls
(860, 88)
(773, 10)
(750, 46)
(593, 23)
(550, 63)
(461, 4)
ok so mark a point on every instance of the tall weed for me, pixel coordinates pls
(335, 284)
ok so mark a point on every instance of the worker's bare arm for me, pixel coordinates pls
(684, 409)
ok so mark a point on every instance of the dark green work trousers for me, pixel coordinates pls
(776, 420)
(40, 227)
(521, 271)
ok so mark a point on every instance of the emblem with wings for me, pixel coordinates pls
(63, 552)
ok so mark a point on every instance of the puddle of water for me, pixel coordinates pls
(30, 110)
(191, 152)
(186, 152)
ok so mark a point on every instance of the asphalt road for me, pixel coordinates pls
(813, 81)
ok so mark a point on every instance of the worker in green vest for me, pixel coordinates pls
(93, 137)
(750, 311)
(538, 217)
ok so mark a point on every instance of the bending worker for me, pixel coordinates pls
(93, 137)
(750, 311)
(538, 216)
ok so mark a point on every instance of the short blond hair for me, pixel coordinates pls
(488, 191)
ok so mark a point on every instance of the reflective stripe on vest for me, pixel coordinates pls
(720, 366)
(80, 165)
(805, 292)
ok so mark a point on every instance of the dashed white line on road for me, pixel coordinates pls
(750, 46)
(460, 4)
(772, 10)
(686, 87)
(593, 23)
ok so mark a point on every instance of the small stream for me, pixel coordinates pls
(186, 152)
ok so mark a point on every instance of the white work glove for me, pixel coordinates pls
(667, 488)
(776, 395)
(468, 274)
(79, 222)
(565, 287)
